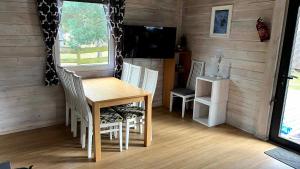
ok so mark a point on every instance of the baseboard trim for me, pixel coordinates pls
(31, 127)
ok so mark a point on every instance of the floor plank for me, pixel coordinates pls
(177, 143)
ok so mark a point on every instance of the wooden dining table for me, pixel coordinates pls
(110, 91)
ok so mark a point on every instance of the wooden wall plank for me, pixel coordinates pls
(22, 30)
(242, 49)
(26, 41)
(26, 51)
(15, 7)
(19, 18)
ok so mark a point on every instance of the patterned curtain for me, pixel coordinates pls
(50, 13)
(115, 10)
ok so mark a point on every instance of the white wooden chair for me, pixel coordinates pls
(111, 121)
(70, 96)
(75, 115)
(134, 75)
(188, 94)
(125, 71)
(149, 84)
(61, 75)
(135, 115)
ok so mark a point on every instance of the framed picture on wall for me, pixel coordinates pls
(221, 21)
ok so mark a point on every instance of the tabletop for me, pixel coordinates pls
(109, 89)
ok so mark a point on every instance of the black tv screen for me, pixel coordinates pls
(149, 42)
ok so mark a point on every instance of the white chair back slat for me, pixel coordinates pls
(71, 87)
(75, 114)
(81, 100)
(150, 81)
(125, 72)
(196, 71)
(135, 75)
(62, 77)
(59, 71)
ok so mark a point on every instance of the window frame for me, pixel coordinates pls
(104, 2)
(89, 67)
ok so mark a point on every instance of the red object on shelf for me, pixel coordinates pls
(263, 30)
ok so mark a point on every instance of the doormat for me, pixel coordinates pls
(285, 156)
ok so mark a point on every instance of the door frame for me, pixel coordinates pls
(282, 80)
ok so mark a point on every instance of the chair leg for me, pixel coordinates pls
(127, 135)
(81, 132)
(120, 137)
(72, 121)
(135, 122)
(183, 107)
(67, 114)
(171, 102)
(83, 135)
(90, 142)
(110, 133)
(116, 134)
(141, 123)
(74, 125)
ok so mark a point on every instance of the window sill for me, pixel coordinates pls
(86, 68)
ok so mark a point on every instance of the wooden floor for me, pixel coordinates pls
(176, 144)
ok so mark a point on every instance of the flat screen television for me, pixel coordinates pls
(149, 42)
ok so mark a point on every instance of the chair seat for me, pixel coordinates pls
(129, 112)
(183, 91)
(109, 115)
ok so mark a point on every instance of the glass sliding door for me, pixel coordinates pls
(285, 125)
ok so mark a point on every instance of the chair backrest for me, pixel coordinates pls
(125, 71)
(60, 71)
(83, 106)
(70, 87)
(62, 76)
(150, 81)
(135, 75)
(196, 71)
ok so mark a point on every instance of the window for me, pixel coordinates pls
(83, 35)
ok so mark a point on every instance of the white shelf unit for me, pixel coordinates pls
(210, 104)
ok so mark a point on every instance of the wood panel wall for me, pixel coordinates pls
(271, 72)
(24, 101)
(243, 49)
(152, 12)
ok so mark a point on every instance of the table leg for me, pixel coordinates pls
(148, 121)
(96, 134)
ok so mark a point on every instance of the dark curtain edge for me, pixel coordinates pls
(49, 17)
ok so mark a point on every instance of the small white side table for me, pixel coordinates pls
(210, 104)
